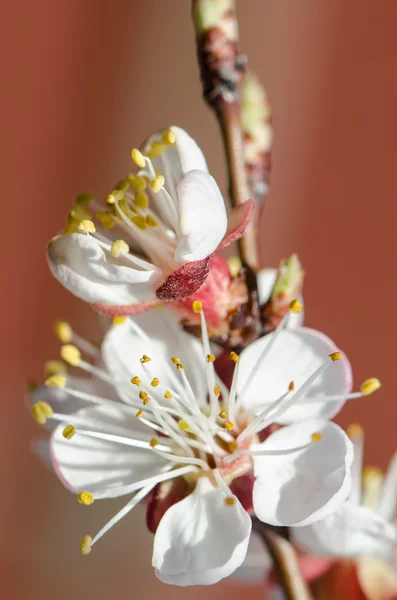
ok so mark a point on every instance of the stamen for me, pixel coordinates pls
(106, 219)
(136, 381)
(230, 501)
(223, 414)
(157, 184)
(58, 381)
(119, 320)
(141, 200)
(210, 358)
(119, 247)
(85, 498)
(151, 221)
(229, 425)
(71, 354)
(69, 432)
(314, 438)
(138, 158)
(169, 137)
(217, 390)
(369, 386)
(144, 396)
(86, 544)
(156, 150)
(138, 182)
(155, 382)
(168, 395)
(372, 487)
(295, 307)
(63, 331)
(145, 359)
(42, 411)
(234, 357)
(54, 367)
(139, 414)
(175, 359)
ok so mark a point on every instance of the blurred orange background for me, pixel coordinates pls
(86, 80)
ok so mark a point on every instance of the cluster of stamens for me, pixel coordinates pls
(192, 434)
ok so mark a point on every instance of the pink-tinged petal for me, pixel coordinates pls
(130, 310)
(203, 220)
(185, 281)
(162, 497)
(237, 221)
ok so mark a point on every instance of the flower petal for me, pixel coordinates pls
(295, 356)
(92, 274)
(88, 464)
(158, 335)
(237, 221)
(200, 540)
(185, 281)
(302, 487)
(203, 219)
(351, 531)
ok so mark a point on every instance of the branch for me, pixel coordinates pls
(285, 562)
(222, 68)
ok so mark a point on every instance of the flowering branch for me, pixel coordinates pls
(285, 562)
(222, 71)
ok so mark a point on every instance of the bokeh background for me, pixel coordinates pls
(85, 80)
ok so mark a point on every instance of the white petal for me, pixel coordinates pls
(92, 274)
(203, 219)
(295, 356)
(88, 464)
(351, 531)
(176, 161)
(304, 486)
(266, 279)
(158, 335)
(201, 540)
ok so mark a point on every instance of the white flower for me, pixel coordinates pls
(155, 239)
(175, 420)
(364, 525)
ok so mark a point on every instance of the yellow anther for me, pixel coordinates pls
(235, 265)
(115, 196)
(118, 248)
(58, 381)
(335, 356)
(316, 437)
(71, 354)
(230, 501)
(87, 226)
(137, 182)
(145, 359)
(179, 366)
(63, 331)
(229, 425)
(119, 319)
(38, 413)
(151, 221)
(175, 359)
(210, 358)
(155, 382)
(369, 386)
(69, 432)
(106, 219)
(141, 200)
(144, 396)
(371, 474)
(138, 158)
(135, 380)
(234, 357)
(139, 414)
(54, 367)
(295, 306)
(197, 306)
(223, 414)
(168, 395)
(156, 149)
(86, 543)
(355, 432)
(139, 221)
(183, 425)
(217, 390)
(153, 442)
(232, 447)
(157, 183)
(291, 386)
(85, 498)
(45, 408)
(169, 137)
